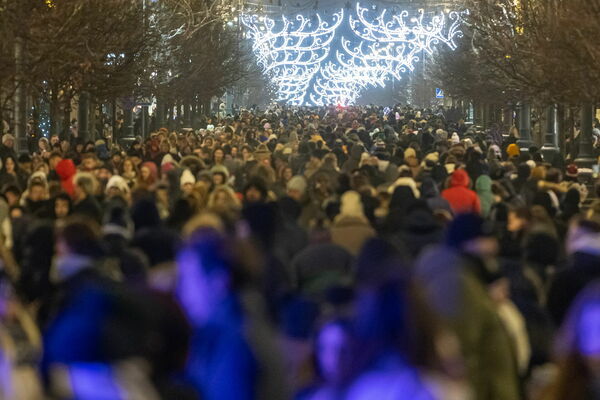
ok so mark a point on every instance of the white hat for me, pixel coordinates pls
(168, 158)
(187, 177)
(117, 182)
(6, 137)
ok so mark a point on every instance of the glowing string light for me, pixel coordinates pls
(292, 51)
(296, 53)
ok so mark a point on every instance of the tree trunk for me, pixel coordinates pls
(586, 155)
(54, 114)
(524, 122)
(92, 120)
(67, 117)
(20, 99)
(113, 112)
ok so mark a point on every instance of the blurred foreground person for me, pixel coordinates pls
(232, 355)
(20, 347)
(458, 280)
(578, 350)
(102, 340)
(401, 353)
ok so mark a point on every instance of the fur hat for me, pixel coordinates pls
(186, 177)
(405, 181)
(220, 169)
(7, 137)
(297, 183)
(117, 182)
(351, 204)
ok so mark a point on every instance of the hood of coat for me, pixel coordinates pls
(460, 178)
(483, 184)
(65, 169)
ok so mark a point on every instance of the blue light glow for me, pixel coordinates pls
(309, 67)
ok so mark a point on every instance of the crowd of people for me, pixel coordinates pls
(314, 254)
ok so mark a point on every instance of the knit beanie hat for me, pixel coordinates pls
(297, 183)
(187, 177)
(455, 139)
(513, 150)
(351, 204)
(117, 182)
(410, 152)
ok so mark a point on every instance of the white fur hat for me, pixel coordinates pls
(187, 177)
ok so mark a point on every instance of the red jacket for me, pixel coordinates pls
(461, 198)
(65, 169)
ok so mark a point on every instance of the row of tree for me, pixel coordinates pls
(537, 52)
(114, 52)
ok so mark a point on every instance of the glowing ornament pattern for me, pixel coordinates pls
(292, 53)
(296, 54)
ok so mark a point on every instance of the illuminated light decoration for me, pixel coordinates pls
(343, 82)
(296, 53)
(395, 59)
(292, 51)
(421, 35)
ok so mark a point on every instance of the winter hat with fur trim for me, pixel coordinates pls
(187, 177)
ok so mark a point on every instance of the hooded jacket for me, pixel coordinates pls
(66, 170)
(484, 192)
(461, 198)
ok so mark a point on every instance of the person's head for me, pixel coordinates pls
(54, 159)
(128, 166)
(10, 165)
(65, 146)
(16, 212)
(554, 175)
(62, 205)
(89, 162)
(145, 172)
(54, 139)
(37, 191)
(218, 155)
(286, 174)
(12, 194)
(473, 235)
(255, 191)
(84, 185)
(333, 351)
(205, 275)
(187, 181)
(103, 174)
(518, 219)
(246, 153)
(78, 236)
(116, 158)
(117, 187)
(218, 178)
(296, 188)
(25, 163)
(43, 144)
(8, 140)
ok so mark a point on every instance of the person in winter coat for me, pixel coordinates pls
(65, 169)
(351, 229)
(583, 266)
(353, 162)
(84, 201)
(576, 350)
(455, 280)
(484, 192)
(461, 198)
(431, 194)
